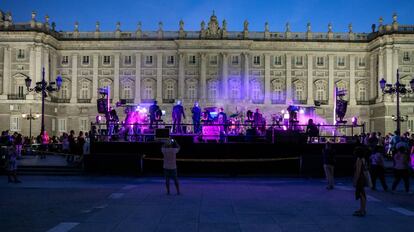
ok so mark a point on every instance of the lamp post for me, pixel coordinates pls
(397, 89)
(43, 87)
(30, 117)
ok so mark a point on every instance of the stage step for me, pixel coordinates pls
(50, 170)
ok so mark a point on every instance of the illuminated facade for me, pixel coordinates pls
(237, 70)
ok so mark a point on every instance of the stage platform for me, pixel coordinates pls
(284, 156)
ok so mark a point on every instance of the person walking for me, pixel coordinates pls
(328, 156)
(377, 168)
(359, 180)
(401, 169)
(12, 164)
(169, 151)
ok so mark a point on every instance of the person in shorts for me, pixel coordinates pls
(169, 151)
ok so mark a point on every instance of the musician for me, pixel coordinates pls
(177, 112)
(312, 130)
(257, 118)
(196, 111)
(222, 119)
(152, 111)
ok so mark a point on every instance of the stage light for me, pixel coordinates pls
(286, 116)
(301, 111)
(163, 112)
(284, 128)
(283, 111)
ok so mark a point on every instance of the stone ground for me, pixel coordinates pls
(101, 203)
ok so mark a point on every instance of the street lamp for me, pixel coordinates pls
(43, 87)
(396, 89)
(30, 117)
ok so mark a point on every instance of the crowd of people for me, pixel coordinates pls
(371, 152)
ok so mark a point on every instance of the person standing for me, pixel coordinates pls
(72, 147)
(401, 169)
(18, 143)
(359, 180)
(196, 111)
(328, 156)
(177, 113)
(377, 168)
(169, 151)
(152, 111)
(12, 164)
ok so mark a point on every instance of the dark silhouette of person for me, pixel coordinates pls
(152, 111)
(196, 111)
(312, 130)
(177, 112)
(222, 119)
(257, 117)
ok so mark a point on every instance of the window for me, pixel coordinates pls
(234, 89)
(170, 90)
(148, 60)
(278, 60)
(213, 60)
(192, 91)
(83, 124)
(127, 90)
(298, 60)
(85, 60)
(148, 91)
(20, 90)
(235, 60)
(319, 61)
(341, 61)
(65, 59)
(212, 90)
(298, 92)
(62, 124)
(64, 90)
(128, 60)
(20, 54)
(320, 92)
(256, 91)
(84, 91)
(170, 60)
(256, 60)
(277, 90)
(192, 59)
(361, 62)
(53, 124)
(362, 93)
(107, 60)
(410, 125)
(406, 56)
(14, 123)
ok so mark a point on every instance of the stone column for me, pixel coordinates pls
(203, 80)
(246, 76)
(380, 72)
(389, 66)
(373, 80)
(116, 78)
(225, 74)
(310, 80)
(267, 98)
(331, 80)
(38, 69)
(181, 75)
(74, 96)
(394, 64)
(32, 69)
(95, 70)
(159, 77)
(46, 65)
(288, 60)
(137, 95)
(6, 72)
(352, 97)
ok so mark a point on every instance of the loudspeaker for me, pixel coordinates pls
(162, 133)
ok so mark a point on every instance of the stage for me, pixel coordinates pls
(289, 154)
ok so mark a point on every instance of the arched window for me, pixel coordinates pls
(63, 93)
(362, 91)
(320, 91)
(342, 85)
(235, 89)
(256, 90)
(212, 89)
(84, 90)
(299, 91)
(148, 89)
(127, 90)
(277, 90)
(104, 83)
(192, 90)
(170, 89)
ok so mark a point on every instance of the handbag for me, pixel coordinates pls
(367, 175)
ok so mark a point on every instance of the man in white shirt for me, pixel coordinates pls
(169, 151)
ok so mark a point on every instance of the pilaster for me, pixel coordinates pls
(74, 81)
(95, 65)
(380, 73)
(203, 76)
(288, 58)
(352, 97)
(310, 79)
(225, 75)
(159, 77)
(181, 77)
(137, 95)
(6, 72)
(331, 80)
(39, 63)
(395, 64)
(116, 77)
(246, 71)
(373, 81)
(267, 98)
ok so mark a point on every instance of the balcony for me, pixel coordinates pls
(278, 101)
(168, 101)
(362, 103)
(407, 99)
(257, 101)
(84, 100)
(59, 100)
(300, 102)
(16, 97)
(321, 102)
(147, 100)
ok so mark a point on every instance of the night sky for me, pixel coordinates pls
(362, 13)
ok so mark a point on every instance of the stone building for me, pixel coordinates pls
(237, 70)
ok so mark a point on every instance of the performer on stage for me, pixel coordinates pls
(312, 130)
(222, 119)
(152, 111)
(177, 112)
(258, 118)
(196, 117)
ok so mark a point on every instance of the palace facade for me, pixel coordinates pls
(237, 70)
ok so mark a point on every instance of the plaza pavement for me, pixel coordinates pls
(99, 203)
